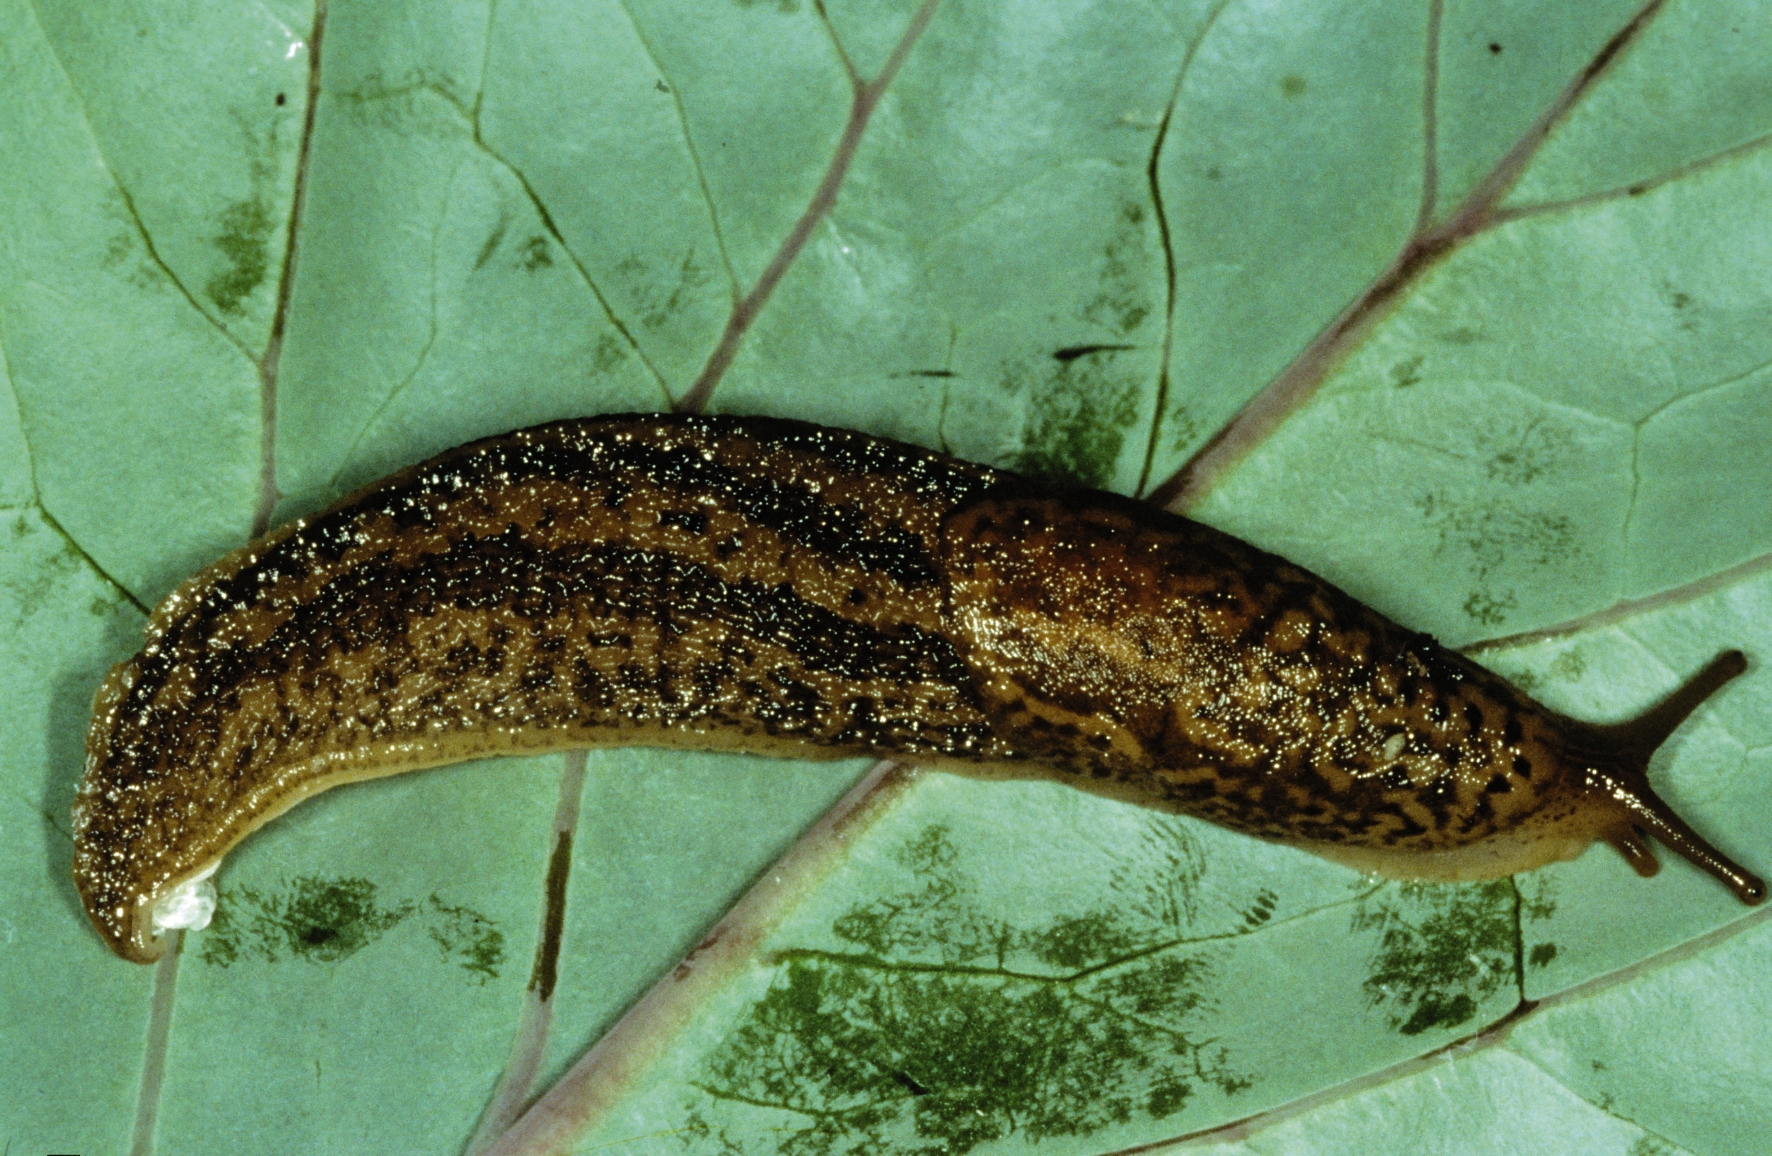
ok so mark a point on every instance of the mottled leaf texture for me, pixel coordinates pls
(1462, 303)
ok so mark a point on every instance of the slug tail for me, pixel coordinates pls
(1623, 776)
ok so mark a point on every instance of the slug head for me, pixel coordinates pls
(1625, 808)
(1154, 659)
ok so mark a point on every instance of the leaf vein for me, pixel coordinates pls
(701, 179)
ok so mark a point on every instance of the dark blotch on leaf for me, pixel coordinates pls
(1442, 952)
(1407, 372)
(320, 920)
(1077, 421)
(887, 1051)
(328, 920)
(536, 255)
(245, 241)
(468, 937)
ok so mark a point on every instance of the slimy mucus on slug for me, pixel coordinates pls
(772, 586)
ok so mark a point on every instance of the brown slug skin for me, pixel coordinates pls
(773, 586)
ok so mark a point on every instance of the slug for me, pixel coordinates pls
(771, 586)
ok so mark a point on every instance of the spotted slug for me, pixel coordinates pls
(749, 584)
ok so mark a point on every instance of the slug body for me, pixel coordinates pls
(777, 587)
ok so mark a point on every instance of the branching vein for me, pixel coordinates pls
(744, 313)
(1423, 249)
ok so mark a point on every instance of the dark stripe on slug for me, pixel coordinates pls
(796, 514)
(686, 468)
(370, 604)
(623, 581)
(858, 454)
(373, 605)
(677, 454)
(793, 511)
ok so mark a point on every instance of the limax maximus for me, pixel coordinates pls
(773, 586)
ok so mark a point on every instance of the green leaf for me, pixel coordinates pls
(1461, 305)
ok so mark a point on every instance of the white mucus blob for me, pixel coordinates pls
(188, 906)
